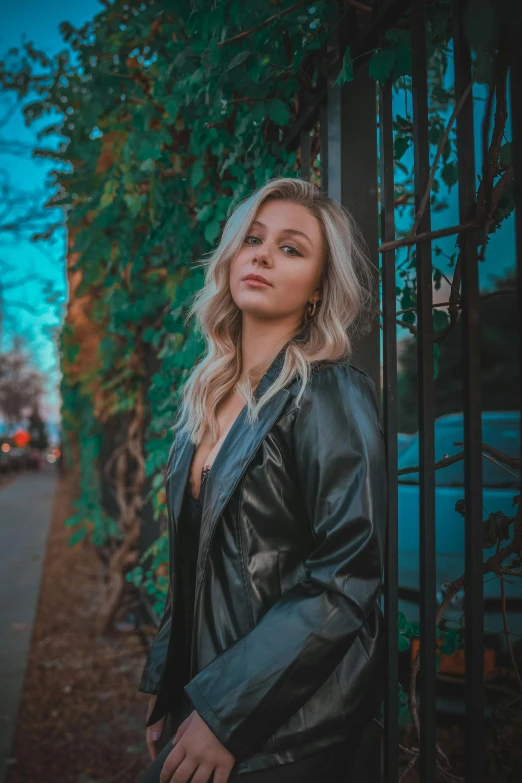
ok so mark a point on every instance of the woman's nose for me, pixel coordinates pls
(262, 256)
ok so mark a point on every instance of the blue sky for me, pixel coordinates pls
(38, 22)
(37, 263)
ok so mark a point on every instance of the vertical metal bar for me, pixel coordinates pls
(334, 143)
(391, 570)
(323, 145)
(305, 154)
(473, 582)
(426, 402)
(335, 48)
(352, 160)
(515, 77)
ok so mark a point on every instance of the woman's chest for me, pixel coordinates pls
(206, 452)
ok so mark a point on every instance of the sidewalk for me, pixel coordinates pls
(25, 515)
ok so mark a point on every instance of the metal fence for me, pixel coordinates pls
(354, 126)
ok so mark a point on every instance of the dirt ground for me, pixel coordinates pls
(82, 718)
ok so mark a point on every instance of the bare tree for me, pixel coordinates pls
(21, 386)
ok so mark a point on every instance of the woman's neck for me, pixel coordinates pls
(261, 341)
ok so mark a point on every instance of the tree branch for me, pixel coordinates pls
(427, 235)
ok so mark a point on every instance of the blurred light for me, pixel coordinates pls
(6, 447)
(21, 438)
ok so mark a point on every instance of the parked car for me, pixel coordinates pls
(4, 462)
(16, 458)
(502, 431)
(34, 459)
(403, 440)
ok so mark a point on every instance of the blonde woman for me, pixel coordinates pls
(267, 663)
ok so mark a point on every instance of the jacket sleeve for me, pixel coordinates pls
(158, 652)
(250, 689)
(155, 660)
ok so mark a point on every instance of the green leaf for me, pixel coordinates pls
(496, 528)
(450, 174)
(393, 60)
(197, 173)
(381, 64)
(460, 507)
(440, 319)
(77, 536)
(506, 155)
(239, 59)
(346, 72)
(401, 42)
(400, 145)
(148, 166)
(109, 193)
(211, 231)
(450, 642)
(278, 112)
(171, 106)
(133, 202)
(435, 133)
(404, 643)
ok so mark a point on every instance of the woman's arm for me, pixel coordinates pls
(249, 690)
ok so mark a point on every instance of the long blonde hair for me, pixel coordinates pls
(347, 305)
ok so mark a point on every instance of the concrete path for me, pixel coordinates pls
(25, 516)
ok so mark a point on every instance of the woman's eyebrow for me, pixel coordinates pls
(285, 231)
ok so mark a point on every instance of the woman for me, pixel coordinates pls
(267, 663)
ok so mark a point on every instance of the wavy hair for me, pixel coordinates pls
(347, 306)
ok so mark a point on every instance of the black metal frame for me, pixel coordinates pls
(349, 175)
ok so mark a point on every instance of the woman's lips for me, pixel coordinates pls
(251, 281)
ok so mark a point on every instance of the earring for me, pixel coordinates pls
(311, 313)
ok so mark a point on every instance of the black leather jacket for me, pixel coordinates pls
(287, 650)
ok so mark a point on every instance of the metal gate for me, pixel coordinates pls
(351, 126)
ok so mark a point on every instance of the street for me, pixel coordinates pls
(25, 514)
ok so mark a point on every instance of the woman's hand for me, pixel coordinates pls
(153, 733)
(197, 753)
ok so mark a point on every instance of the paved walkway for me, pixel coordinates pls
(25, 516)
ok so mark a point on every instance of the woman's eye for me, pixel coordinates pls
(250, 236)
(292, 248)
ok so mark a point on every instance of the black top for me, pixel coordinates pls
(189, 530)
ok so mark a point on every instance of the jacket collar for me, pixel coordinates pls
(231, 461)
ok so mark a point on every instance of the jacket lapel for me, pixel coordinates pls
(231, 461)
(179, 474)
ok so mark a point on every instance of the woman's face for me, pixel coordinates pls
(284, 245)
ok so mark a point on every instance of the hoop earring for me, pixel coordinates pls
(311, 313)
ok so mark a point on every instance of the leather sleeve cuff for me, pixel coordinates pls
(148, 686)
(205, 711)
